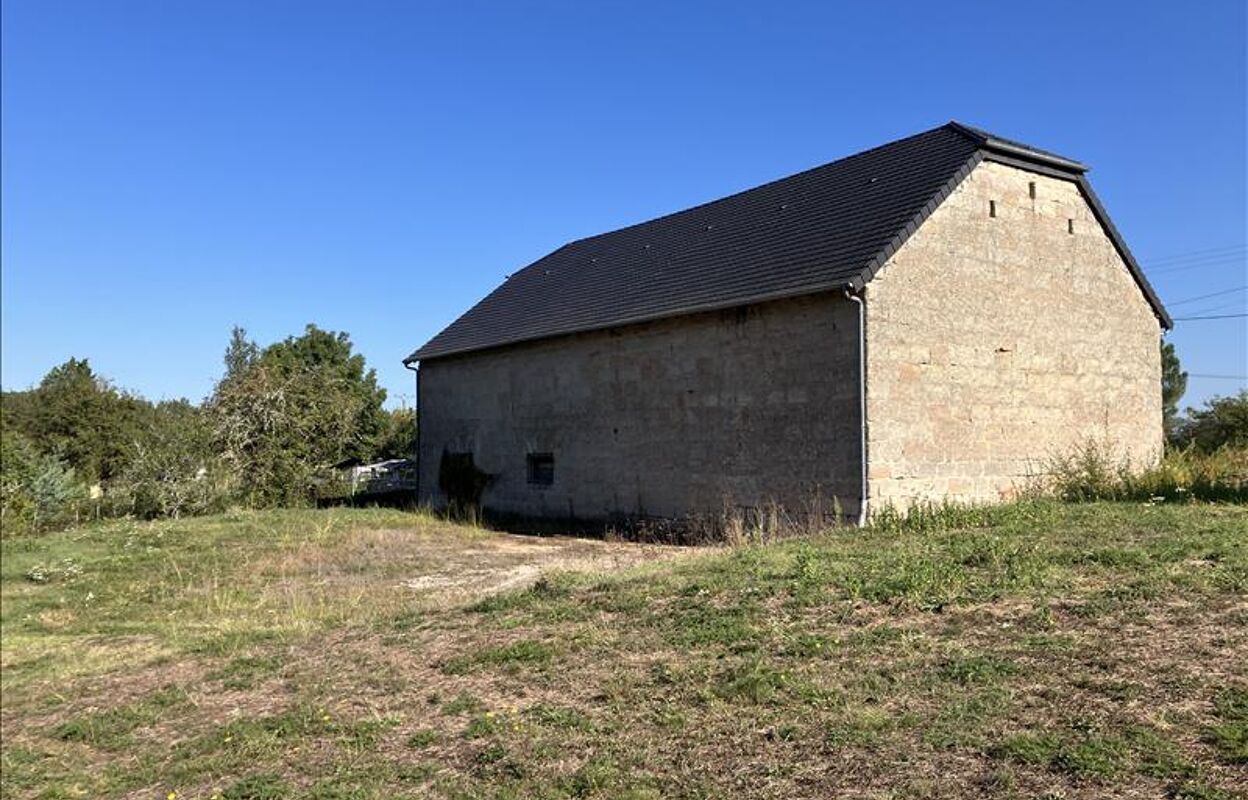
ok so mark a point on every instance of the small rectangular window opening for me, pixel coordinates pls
(541, 468)
(992, 208)
(1031, 189)
(1070, 225)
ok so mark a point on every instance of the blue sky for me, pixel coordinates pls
(171, 169)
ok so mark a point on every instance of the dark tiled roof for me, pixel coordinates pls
(829, 227)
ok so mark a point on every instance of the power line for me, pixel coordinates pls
(1196, 255)
(1196, 312)
(1212, 316)
(1219, 248)
(1217, 262)
(1207, 296)
(1197, 259)
(1223, 377)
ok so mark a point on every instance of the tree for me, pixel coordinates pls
(283, 418)
(172, 471)
(399, 437)
(81, 418)
(1222, 422)
(241, 353)
(1173, 385)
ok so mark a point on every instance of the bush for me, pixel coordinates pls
(1223, 422)
(1094, 473)
(171, 472)
(37, 491)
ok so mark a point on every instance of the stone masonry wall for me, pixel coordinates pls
(994, 344)
(680, 416)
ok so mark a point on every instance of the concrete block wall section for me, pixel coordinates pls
(693, 415)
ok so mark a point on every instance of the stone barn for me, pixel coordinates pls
(931, 319)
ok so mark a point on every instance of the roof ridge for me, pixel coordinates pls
(747, 190)
(976, 135)
(1010, 147)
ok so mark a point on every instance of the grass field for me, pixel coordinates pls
(1044, 650)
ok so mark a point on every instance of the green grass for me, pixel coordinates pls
(1030, 650)
(513, 656)
(110, 728)
(1230, 733)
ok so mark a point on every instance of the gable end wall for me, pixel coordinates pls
(994, 344)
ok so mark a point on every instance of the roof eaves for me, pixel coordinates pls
(684, 311)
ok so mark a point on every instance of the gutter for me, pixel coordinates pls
(862, 404)
(408, 364)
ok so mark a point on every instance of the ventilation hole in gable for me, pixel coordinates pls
(1070, 225)
(992, 208)
(1031, 189)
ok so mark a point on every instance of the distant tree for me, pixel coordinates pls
(17, 411)
(76, 415)
(399, 438)
(283, 418)
(241, 353)
(1173, 385)
(1222, 422)
(18, 460)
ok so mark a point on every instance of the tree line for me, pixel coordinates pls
(279, 423)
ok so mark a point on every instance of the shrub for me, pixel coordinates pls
(171, 471)
(1094, 473)
(1223, 422)
(37, 491)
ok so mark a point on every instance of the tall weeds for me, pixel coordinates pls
(1093, 472)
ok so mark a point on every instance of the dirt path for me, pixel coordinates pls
(497, 562)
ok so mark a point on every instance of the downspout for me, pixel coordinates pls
(862, 404)
(416, 373)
